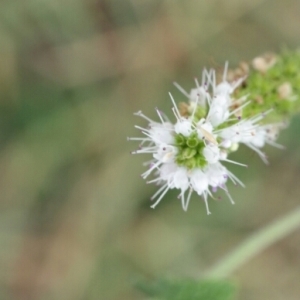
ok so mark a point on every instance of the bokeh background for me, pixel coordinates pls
(75, 221)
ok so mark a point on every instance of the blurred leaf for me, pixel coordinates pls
(189, 289)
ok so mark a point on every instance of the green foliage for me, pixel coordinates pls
(189, 289)
(262, 88)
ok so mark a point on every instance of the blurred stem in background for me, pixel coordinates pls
(256, 243)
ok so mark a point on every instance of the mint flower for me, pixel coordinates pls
(188, 155)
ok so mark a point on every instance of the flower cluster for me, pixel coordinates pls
(188, 155)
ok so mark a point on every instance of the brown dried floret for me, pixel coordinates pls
(259, 99)
(265, 62)
(285, 90)
(241, 71)
(183, 109)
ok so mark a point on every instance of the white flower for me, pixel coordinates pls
(250, 133)
(185, 156)
(173, 176)
(188, 154)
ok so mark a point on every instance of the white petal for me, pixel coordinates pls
(184, 127)
(199, 181)
(211, 153)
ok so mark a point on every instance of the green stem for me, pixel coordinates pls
(255, 244)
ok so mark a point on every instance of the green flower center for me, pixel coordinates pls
(190, 151)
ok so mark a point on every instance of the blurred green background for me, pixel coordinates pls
(75, 221)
